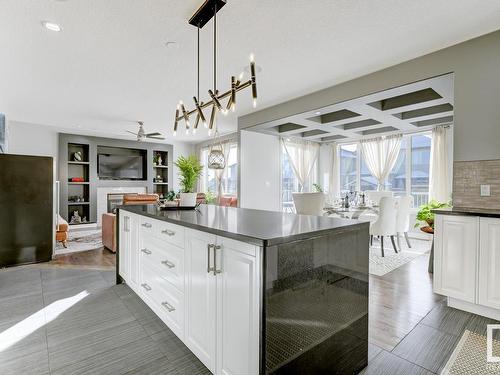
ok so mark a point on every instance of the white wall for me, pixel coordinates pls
(259, 171)
(180, 149)
(31, 139)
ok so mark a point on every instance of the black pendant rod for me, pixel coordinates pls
(215, 50)
(198, 64)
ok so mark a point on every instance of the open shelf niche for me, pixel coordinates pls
(78, 191)
(160, 173)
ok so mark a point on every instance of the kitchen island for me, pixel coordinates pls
(251, 291)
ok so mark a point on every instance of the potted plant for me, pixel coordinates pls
(189, 170)
(426, 215)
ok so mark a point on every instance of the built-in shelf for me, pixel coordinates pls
(77, 203)
(160, 166)
(160, 183)
(79, 162)
(77, 183)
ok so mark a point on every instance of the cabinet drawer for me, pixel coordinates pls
(170, 233)
(167, 259)
(167, 302)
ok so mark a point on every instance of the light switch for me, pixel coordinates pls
(485, 191)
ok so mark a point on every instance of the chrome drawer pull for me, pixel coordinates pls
(168, 306)
(209, 267)
(168, 264)
(146, 286)
(146, 251)
(147, 225)
(168, 232)
(216, 270)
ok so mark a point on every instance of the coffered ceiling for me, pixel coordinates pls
(409, 108)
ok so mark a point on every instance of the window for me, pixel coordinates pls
(348, 167)
(410, 175)
(420, 163)
(229, 181)
(290, 183)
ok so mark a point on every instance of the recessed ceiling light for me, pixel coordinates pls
(171, 44)
(51, 26)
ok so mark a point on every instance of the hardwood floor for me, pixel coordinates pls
(100, 259)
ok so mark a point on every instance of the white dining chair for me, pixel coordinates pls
(403, 218)
(309, 203)
(375, 196)
(386, 222)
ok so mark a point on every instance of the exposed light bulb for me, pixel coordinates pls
(51, 26)
(209, 132)
(252, 57)
(255, 103)
(187, 131)
(240, 77)
(205, 124)
(175, 133)
(194, 131)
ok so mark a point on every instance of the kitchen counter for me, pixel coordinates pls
(465, 211)
(249, 291)
(258, 227)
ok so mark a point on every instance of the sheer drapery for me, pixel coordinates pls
(439, 184)
(303, 156)
(333, 178)
(380, 156)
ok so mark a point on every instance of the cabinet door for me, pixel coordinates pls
(200, 294)
(489, 263)
(124, 232)
(238, 308)
(455, 256)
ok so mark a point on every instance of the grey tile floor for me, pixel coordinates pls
(428, 346)
(67, 321)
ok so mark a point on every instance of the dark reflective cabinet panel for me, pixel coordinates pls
(316, 305)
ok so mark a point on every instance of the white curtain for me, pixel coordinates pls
(303, 156)
(439, 184)
(221, 173)
(333, 177)
(380, 156)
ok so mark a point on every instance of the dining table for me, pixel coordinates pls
(352, 212)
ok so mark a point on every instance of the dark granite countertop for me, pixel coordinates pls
(258, 227)
(465, 211)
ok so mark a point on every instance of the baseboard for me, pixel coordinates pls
(474, 308)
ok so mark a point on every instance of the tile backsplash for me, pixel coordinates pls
(468, 176)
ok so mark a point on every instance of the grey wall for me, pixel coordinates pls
(476, 64)
(93, 142)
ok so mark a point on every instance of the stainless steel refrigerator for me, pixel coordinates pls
(26, 209)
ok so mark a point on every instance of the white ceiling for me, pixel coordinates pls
(109, 66)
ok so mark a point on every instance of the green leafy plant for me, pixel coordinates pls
(210, 197)
(317, 188)
(425, 212)
(171, 195)
(190, 170)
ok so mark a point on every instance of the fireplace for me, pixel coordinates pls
(110, 197)
(115, 200)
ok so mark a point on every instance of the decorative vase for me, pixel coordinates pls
(188, 199)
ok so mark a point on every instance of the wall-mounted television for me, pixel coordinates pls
(114, 163)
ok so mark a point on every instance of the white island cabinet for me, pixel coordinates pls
(467, 262)
(204, 287)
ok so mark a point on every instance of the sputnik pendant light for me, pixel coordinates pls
(204, 14)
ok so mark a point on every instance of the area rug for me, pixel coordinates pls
(380, 266)
(469, 357)
(81, 240)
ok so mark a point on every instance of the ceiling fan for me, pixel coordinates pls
(142, 135)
